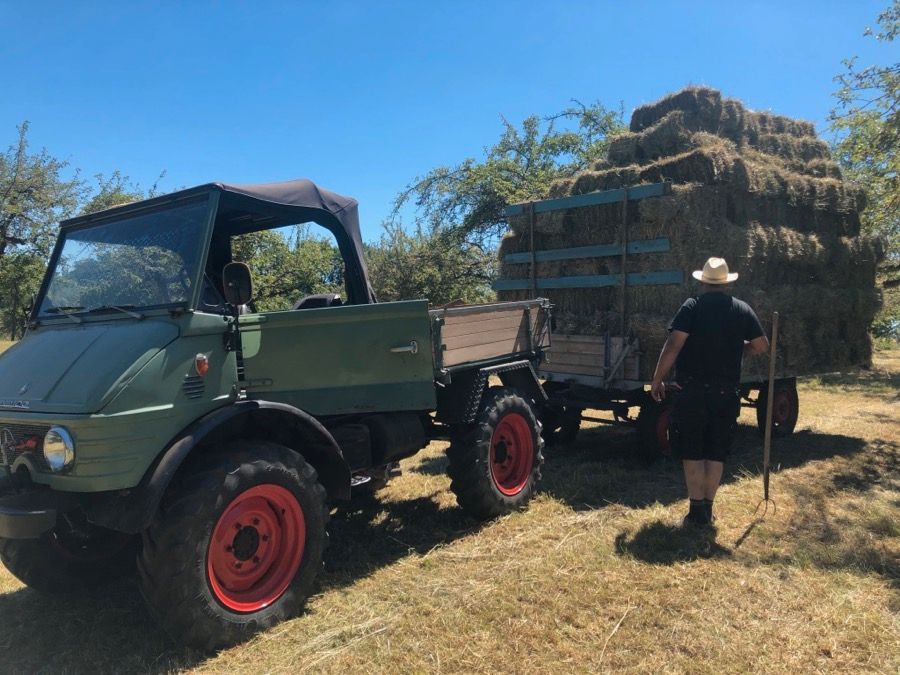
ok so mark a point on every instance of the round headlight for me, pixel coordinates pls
(59, 448)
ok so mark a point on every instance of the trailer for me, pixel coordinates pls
(600, 371)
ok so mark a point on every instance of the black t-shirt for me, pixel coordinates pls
(717, 326)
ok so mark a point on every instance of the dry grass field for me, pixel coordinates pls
(595, 576)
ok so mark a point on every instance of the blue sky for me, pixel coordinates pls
(362, 97)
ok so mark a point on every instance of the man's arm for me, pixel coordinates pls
(758, 345)
(667, 358)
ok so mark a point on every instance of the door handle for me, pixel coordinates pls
(411, 348)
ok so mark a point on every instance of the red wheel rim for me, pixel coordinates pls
(256, 548)
(782, 407)
(512, 454)
(662, 431)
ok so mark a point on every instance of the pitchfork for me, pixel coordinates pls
(767, 443)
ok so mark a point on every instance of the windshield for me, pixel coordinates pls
(142, 261)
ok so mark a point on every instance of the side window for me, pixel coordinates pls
(289, 264)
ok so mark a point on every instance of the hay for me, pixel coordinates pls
(808, 202)
(704, 109)
(755, 188)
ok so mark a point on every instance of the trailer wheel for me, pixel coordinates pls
(561, 426)
(496, 462)
(653, 428)
(785, 408)
(75, 555)
(236, 545)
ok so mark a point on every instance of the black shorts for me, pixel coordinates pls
(703, 421)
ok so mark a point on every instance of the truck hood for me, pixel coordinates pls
(78, 369)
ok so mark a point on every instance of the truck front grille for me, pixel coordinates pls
(17, 439)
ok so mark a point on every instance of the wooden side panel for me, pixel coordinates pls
(477, 336)
(585, 355)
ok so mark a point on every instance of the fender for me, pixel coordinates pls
(460, 400)
(131, 511)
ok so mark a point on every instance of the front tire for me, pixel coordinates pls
(74, 555)
(236, 545)
(496, 462)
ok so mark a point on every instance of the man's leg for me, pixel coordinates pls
(712, 477)
(695, 478)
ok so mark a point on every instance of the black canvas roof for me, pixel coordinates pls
(250, 207)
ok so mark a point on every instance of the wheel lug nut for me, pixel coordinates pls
(265, 537)
(256, 559)
(237, 526)
(229, 549)
(238, 565)
(256, 521)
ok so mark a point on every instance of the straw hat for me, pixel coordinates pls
(715, 272)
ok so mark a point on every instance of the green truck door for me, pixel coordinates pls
(338, 360)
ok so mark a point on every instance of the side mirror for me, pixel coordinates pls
(237, 283)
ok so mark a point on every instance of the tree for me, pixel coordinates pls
(431, 265)
(867, 117)
(458, 211)
(289, 263)
(34, 196)
(116, 191)
(468, 200)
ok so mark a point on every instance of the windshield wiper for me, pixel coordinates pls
(126, 309)
(64, 310)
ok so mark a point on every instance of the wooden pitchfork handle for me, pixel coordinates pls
(767, 442)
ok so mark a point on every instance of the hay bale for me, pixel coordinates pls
(756, 188)
(704, 109)
(702, 103)
(761, 188)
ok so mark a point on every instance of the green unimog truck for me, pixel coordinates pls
(150, 413)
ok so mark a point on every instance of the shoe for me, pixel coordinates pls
(694, 520)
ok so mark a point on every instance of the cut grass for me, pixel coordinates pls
(596, 575)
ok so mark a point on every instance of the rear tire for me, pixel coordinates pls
(785, 408)
(496, 462)
(653, 429)
(236, 546)
(74, 556)
(561, 426)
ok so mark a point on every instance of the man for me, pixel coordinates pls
(707, 340)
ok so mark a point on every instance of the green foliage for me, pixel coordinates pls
(867, 116)
(467, 200)
(35, 194)
(288, 264)
(458, 210)
(116, 191)
(430, 265)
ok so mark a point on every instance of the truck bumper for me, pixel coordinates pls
(29, 514)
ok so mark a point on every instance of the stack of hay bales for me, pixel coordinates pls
(759, 190)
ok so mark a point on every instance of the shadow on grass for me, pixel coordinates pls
(369, 534)
(602, 467)
(432, 466)
(874, 383)
(108, 630)
(661, 543)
